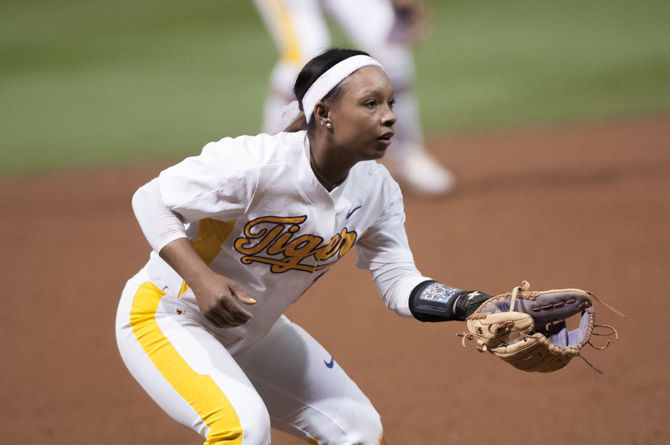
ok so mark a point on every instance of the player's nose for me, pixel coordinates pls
(389, 118)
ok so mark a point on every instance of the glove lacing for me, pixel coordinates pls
(611, 331)
(525, 285)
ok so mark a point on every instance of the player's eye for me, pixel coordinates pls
(370, 103)
(391, 103)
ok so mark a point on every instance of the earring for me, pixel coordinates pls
(329, 125)
(322, 123)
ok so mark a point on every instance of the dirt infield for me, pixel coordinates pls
(583, 205)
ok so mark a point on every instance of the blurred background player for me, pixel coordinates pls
(386, 29)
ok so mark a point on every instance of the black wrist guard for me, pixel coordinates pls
(434, 301)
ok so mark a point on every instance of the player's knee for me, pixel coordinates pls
(364, 428)
(250, 427)
(369, 436)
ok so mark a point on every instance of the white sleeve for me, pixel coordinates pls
(384, 250)
(219, 183)
(158, 223)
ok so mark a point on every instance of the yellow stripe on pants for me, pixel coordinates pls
(198, 390)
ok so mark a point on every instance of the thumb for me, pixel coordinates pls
(246, 299)
(242, 296)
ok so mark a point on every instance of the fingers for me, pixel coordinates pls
(221, 300)
(220, 319)
(223, 319)
(228, 312)
(228, 315)
(237, 315)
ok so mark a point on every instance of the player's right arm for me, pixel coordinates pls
(218, 183)
(218, 297)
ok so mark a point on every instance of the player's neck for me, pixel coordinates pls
(328, 166)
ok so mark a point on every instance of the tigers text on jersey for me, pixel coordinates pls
(256, 213)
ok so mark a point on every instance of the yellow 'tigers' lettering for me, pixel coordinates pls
(272, 236)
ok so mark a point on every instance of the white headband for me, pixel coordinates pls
(328, 80)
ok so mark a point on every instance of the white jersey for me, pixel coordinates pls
(255, 212)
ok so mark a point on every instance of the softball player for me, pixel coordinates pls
(300, 31)
(239, 233)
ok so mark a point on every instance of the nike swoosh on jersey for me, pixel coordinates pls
(351, 212)
(331, 363)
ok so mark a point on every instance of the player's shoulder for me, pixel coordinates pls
(372, 173)
(370, 181)
(259, 149)
(373, 168)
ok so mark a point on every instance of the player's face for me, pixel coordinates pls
(363, 115)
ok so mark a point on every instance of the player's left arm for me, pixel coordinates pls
(384, 250)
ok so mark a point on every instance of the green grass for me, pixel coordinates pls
(90, 82)
(96, 82)
(512, 62)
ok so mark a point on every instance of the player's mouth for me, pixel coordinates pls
(385, 138)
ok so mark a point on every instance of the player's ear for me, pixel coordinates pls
(321, 111)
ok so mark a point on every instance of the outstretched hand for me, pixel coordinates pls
(221, 300)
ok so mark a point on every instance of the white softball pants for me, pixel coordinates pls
(232, 392)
